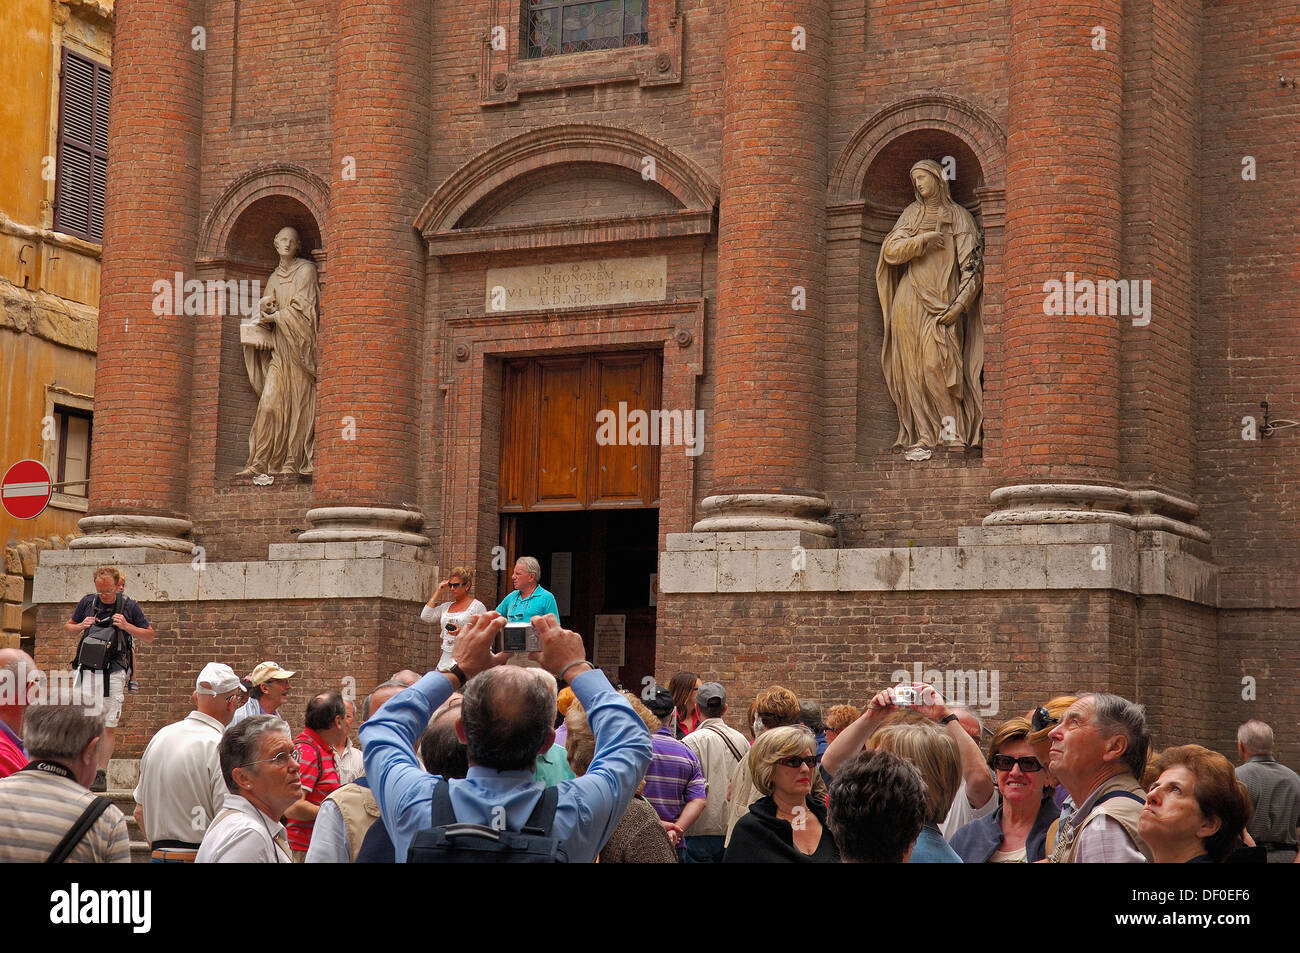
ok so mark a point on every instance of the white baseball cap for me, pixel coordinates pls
(216, 678)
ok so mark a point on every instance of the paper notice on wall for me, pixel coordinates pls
(611, 635)
(561, 580)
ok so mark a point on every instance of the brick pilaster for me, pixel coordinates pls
(771, 251)
(369, 364)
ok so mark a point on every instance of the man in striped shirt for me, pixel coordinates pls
(41, 803)
(326, 728)
(674, 785)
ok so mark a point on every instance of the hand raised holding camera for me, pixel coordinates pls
(560, 649)
(474, 644)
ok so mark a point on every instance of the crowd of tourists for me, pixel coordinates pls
(485, 759)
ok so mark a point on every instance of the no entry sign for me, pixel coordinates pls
(26, 489)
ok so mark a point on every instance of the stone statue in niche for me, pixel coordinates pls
(279, 343)
(929, 277)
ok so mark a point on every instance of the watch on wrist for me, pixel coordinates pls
(951, 716)
(457, 671)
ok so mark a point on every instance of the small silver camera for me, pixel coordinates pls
(904, 695)
(520, 637)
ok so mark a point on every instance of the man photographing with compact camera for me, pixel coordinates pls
(507, 717)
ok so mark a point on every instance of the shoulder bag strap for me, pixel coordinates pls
(79, 830)
(730, 747)
(1128, 794)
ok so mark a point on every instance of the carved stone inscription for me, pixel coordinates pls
(576, 284)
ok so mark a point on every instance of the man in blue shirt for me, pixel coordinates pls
(529, 598)
(507, 717)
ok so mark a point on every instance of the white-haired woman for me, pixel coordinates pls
(786, 825)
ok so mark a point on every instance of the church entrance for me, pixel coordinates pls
(583, 498)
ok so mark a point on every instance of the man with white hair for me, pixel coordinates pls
(260, 768)
(46, 809)
(528, 598)
(18, 673)
(181, 788)
(1274, 791)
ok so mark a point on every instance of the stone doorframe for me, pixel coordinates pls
(472, 390)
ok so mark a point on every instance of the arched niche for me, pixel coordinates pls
(237, 245)
(869, 188)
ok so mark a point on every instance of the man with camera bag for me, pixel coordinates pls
(506, 718)
(108, 623)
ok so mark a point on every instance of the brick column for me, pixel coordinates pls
(1061, 387)
(151, 224)
(370, 345)
(771, 241)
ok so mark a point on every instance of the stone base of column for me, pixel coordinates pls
(1137, 510)
(764, 513)
(348, 524)
(119, 531)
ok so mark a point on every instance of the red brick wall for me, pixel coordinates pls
(322, 641)
(843, 647)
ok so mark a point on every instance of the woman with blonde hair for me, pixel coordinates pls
(451, 607)
(934, 754)
(787, 824)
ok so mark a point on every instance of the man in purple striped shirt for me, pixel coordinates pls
(674, 785)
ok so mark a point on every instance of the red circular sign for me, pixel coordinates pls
(26, 489)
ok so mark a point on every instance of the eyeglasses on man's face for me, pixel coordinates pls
(281, 760)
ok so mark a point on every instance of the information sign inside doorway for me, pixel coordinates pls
(576, 284)
(611, 634)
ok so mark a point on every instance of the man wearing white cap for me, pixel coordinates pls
(268, 687)
(181, 788)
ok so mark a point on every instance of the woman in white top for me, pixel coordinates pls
(451, 607)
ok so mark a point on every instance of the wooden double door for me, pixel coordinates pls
(552, 414)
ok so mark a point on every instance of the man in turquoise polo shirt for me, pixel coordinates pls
(528, 599)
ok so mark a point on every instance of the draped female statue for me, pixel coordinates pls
(281, 362)
(929, 278)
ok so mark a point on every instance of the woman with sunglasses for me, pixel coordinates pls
(788, 824)
(1017, 831)
(451, 607)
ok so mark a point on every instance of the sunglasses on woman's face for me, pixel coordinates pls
(795, 761)
(1004, 762)
(1042, 718)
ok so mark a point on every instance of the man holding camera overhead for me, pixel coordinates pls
(507, 717)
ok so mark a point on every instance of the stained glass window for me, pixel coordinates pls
(552, 28)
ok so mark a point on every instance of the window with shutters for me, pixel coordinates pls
(82, 163)
(73, 428)
(552, 27)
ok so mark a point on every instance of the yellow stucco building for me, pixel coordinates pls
(54, 67)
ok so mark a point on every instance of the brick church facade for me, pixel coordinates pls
(690, 220)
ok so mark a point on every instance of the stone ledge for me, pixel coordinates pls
(385, 576)
(776, 540)
(1108, 557)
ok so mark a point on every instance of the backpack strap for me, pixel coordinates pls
(443, 813)
(1128, 794)
(539, 821)
(543, 816)
(79, 830)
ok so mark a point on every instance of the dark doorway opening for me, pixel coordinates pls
(612, 557)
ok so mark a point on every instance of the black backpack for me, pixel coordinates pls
(448, 842)
(103, 643)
